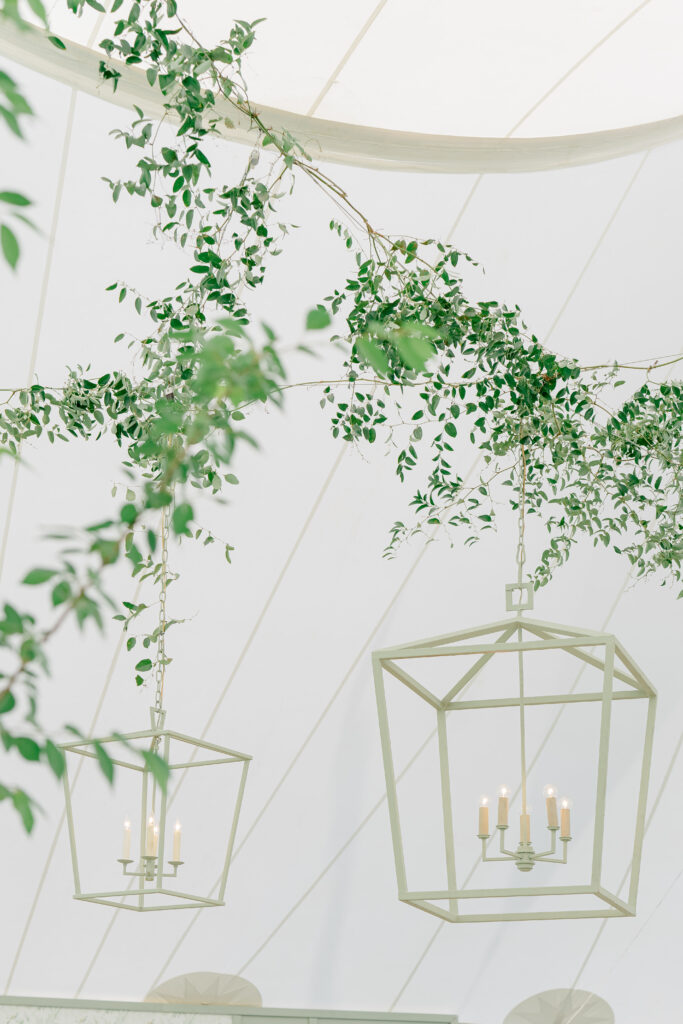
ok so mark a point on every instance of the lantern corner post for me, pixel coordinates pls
(233, 829)
(71, 830)
(389, 773)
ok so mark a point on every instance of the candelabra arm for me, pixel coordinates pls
(130, 874)
(553, 845)
(565, 840)
(484, 855)
(506, 853)
(175, 864)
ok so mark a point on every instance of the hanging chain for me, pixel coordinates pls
(521, 556)
(521, 550)
(161, 629)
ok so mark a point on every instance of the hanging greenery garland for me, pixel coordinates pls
(427, 370)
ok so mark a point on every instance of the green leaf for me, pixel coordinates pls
(27, 747)
(129, 514)
(182, 515)
(317, 319)
(56, 41)
(414, 352)
(10, 245)
(372, 353)
(144, 665)
(158, 767)
(38, 9)
(61, 592)
(7, 702)
(22, 803)
(108, 550)
(36, 576)
(106, 763)
(14, 199)
(55, 758)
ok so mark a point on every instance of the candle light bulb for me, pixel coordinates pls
(149, 839)
(176, 841)
(483, 816)
(565, 818)
(550, 793)
(125, 853)
(503, 806)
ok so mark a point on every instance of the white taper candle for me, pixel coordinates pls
(125, 852)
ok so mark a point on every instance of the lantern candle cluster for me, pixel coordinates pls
(524, 855)
(147, 867)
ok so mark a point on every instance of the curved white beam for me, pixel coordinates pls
(342, 143)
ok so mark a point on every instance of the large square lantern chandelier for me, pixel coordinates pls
(517, 699)
(175, 850)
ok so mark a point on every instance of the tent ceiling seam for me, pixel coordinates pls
(597, 246)
(546, 95)
(587, 55)
(347, 56)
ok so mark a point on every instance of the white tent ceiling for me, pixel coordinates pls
(274, 657)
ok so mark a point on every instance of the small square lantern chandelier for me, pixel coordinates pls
(503, 654)
(151, 859)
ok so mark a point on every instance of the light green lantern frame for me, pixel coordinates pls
(149, 879)
(518, 635)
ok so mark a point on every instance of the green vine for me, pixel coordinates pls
(426, 370)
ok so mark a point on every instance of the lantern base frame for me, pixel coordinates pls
(185, 901)
(613, 906)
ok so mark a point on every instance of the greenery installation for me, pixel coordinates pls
(428, 371)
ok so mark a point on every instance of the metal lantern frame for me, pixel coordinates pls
(519, 635)
(150, 869)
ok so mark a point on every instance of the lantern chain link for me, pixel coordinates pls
(161, 629)
(521, 557)
(521, 549)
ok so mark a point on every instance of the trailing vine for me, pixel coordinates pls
(426, 370)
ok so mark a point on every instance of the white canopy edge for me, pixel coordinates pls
(339, 142)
